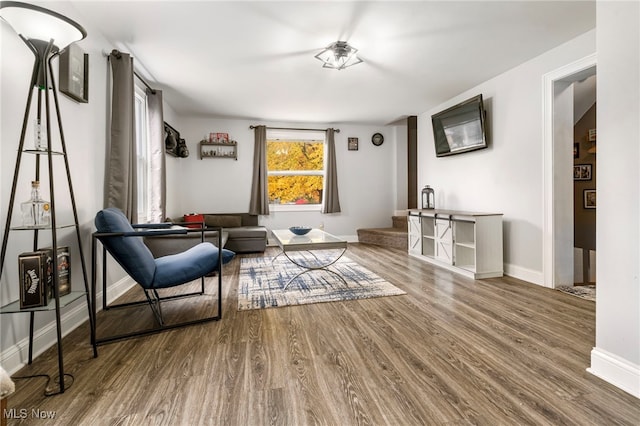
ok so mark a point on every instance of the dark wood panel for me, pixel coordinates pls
(412, 162)
(451, 351)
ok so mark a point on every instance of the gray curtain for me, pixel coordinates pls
(157, 159)
(259, 204)
(331, 199)
(121, 179)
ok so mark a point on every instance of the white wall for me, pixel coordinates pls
(616, 357)
(506, 177)
(366, 177)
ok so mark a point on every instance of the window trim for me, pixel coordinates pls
(300, 136)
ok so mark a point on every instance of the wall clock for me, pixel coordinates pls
(377, 139)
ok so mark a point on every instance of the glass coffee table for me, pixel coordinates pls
(315, 240)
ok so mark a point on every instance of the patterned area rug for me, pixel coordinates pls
(584, 291)
(262, 282)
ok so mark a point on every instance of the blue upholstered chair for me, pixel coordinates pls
(124, 242)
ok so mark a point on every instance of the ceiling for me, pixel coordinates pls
(255, 60)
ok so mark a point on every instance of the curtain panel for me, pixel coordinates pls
(259, 203)
(121, 179)
(331, 199)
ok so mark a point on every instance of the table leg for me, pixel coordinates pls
(308, 268)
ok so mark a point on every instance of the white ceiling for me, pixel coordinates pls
(254, 60)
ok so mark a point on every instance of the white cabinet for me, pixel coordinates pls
(443, 240)
(414, 234)
(464, 242)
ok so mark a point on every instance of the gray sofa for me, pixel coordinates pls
(240, 233)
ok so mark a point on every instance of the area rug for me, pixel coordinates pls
(583, 291)
(262, 281)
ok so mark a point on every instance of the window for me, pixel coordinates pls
(295, 169)
(144, 157)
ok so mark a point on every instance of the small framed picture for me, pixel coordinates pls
(353, 144)
(582, 172)
(589, 198)
(74, 73)
(576, 150)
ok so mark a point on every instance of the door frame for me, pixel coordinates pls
(557, 200)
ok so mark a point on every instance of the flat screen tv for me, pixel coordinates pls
(460, 128)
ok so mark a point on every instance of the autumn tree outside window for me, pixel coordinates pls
(295, 167)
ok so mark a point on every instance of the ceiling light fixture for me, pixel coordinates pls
(338, 56)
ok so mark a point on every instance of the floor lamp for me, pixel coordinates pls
(46, 33)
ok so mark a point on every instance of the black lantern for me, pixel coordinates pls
(428, 198)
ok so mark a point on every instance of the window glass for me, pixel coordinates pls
(143, 156)
(295, 167)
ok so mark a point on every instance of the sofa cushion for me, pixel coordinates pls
(187, 266)
(224, 221)
(247, 232)
(164, 245)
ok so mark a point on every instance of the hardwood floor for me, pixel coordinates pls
(452, 351)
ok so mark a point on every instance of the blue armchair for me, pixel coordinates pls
(124, 242)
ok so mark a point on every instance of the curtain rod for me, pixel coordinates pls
(295, 128)
(118, 55)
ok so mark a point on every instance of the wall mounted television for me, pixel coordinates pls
(461, 128)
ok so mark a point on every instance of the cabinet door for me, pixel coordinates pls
(444, 241)
(415, 235)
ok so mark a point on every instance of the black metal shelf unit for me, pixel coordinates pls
(44, 92)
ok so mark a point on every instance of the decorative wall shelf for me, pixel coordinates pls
(218, 150)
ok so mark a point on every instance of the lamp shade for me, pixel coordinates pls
(37, 23)
(338, 55)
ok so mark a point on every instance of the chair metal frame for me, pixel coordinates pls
(153, 299)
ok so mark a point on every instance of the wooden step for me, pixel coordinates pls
(401, 222)
(387, 237)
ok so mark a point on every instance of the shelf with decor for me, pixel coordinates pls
(43, 276)
(218, 150)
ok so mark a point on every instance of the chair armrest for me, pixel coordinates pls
(163, 225)
(148, 233)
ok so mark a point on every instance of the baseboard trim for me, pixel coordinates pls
(15, 357)
(615, 370)
(529, 275)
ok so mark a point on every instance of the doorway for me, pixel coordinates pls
(584, 180)
(558, 173)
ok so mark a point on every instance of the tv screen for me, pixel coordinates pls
(460, 128)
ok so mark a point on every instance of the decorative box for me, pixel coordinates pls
(32, 268)
(64, 271)
(194, 217)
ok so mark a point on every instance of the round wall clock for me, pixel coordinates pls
(377, 139)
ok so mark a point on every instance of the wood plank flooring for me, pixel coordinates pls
(452, 351)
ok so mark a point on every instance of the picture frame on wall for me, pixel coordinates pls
(74, 73)
(352, 144)
(589, 198)
(582, 172)
(576, 150)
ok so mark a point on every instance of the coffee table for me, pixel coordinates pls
(316, 239)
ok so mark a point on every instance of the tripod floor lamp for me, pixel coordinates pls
(46, 33)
